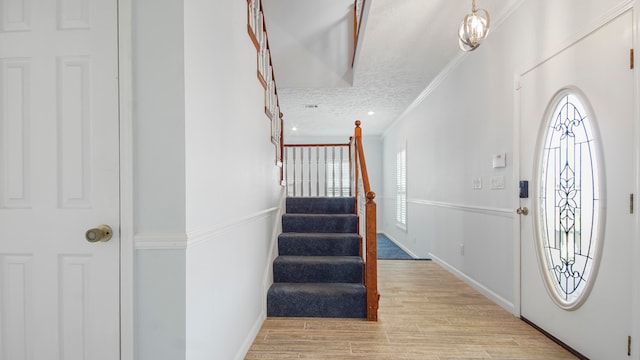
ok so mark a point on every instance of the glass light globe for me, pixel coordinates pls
(473, 29)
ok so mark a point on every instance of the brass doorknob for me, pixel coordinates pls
(101, 233)
(522, 211)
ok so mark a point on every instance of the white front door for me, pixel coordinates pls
(598, 68)
(59, 177)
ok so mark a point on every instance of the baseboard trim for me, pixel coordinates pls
(251, 336)
(507, 305)
(573, 351)
(267, 279)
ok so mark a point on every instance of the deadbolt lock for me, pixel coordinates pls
(101, 233)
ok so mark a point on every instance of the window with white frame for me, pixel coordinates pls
(569, 204)
(401, 188)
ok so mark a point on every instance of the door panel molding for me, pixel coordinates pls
(588, 29)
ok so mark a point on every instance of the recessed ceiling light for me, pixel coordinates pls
(371, 113)
(294, 129)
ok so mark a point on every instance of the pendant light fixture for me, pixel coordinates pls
(474, 28)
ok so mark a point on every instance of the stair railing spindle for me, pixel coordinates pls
(301, 172)
(325, 172)
(341, 188)
(295, 193)
(333, 172)
(285, 169)
(310, 171)
(317, 171)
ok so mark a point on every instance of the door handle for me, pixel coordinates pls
(102, 233)
(522, 211)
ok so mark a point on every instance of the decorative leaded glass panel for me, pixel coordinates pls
(569, 202)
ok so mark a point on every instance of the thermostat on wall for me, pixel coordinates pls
(500, 160)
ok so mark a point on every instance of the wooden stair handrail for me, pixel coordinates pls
(257, 29)
(371, 263)
(358, 12)
(315, 145)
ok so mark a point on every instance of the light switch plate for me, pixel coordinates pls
(497, 182)
(477, 183)
(500, 160)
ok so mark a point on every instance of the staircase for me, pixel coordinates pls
(319, 270)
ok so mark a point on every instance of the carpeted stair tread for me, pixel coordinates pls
(321, 205)
(317, 269)
(320, 223)
(315, 244)
(337, 300)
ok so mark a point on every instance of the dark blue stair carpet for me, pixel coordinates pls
(320, 223)
(388, 250)
(315, 244)
(317, 269)
(321, 205)
(317, 300)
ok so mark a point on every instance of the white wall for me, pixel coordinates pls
(452, 136)
(159, 142)
(204, 220)
(372, 146)
(160, 304)
(232, 183)
(159, 177)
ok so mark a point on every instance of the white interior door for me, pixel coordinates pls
(59, 170)
(598, 65)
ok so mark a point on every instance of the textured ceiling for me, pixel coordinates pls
(405, 44)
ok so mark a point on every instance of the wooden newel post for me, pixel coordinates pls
(372, 262)
(370, 232)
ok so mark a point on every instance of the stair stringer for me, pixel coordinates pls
(273, 250)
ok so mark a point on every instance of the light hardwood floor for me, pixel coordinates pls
(425, 313)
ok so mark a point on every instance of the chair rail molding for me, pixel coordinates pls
(505, 212)
(208, 233)
(160, 241)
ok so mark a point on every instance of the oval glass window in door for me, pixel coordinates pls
(569, 202)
